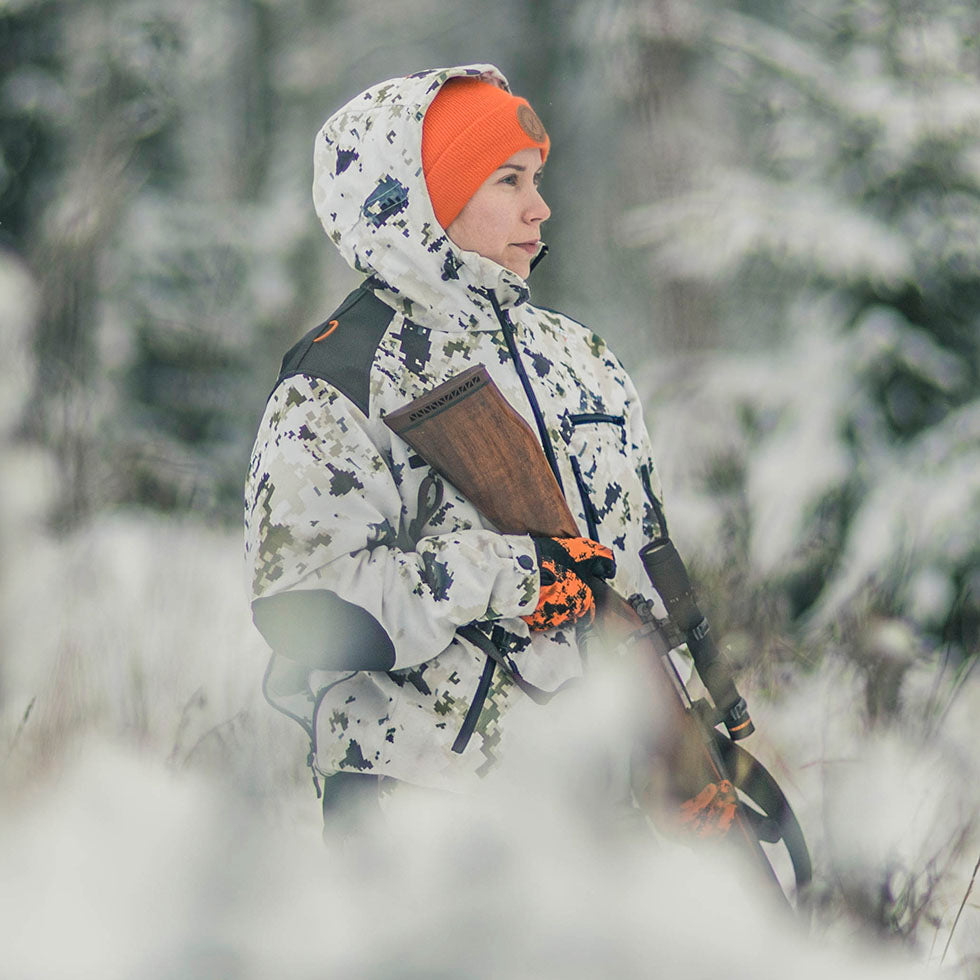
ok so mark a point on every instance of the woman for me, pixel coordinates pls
(379, 588)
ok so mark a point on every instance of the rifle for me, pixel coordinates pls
(469, 434)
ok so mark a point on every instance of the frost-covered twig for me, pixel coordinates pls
(959, 912)
(20, 727)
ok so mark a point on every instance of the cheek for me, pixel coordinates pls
(495, 228)
(480, 229)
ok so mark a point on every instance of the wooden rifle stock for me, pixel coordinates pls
(469, 434)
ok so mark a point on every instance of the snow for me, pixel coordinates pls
(157, 817)
(707, 233)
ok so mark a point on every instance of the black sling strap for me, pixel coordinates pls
(495, 656)
(776, 820)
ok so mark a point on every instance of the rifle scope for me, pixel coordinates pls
(669, 577)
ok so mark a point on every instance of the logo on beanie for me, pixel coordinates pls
(529, 122)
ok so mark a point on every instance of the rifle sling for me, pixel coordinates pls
(480, 639)
(494, 658)
(476, 706)
(753, 779)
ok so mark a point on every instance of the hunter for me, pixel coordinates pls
(378, 587)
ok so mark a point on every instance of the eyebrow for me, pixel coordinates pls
(519, 167)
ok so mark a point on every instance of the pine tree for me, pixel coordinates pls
(838, 237)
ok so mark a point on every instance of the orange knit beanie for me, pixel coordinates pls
(469, 130)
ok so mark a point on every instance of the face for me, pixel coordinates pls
(502, 220)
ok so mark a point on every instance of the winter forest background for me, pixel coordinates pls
(771, 210)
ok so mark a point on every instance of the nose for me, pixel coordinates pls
(537, 210)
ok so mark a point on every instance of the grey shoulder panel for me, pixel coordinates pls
(341, 350)
(319, 629)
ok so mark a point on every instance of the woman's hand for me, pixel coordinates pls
(565, 564)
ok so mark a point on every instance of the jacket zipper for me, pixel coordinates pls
(508, 329)
(591, 515)
(466, 730)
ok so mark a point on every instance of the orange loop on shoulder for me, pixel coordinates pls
(331, 326)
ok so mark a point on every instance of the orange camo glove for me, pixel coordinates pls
(711, 812)
(563, 563)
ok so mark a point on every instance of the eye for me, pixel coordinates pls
(509, 179)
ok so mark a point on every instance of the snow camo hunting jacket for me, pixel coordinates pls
(363, 563)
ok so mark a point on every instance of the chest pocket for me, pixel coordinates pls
(598, 455)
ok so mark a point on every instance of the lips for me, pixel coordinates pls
(529, 247)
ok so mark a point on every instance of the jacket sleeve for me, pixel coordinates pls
(325, 522)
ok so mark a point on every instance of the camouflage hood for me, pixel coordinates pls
(370, 195)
